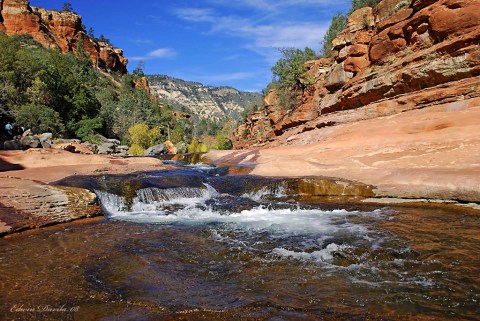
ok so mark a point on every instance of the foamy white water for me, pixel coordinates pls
(188, 206)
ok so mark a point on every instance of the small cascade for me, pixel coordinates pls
(112, 203)
(151, 195)
(267, 192)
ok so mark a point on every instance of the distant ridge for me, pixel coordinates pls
(202, 102)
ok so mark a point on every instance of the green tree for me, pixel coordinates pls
(39, 119)
(290, 69)
(141, 136)
(67, 7)
(87, 129)
(91, 33)
(336, 26)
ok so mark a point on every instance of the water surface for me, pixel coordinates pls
(195, 244)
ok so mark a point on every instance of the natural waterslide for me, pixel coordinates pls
(195, 243)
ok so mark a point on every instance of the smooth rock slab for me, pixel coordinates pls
(25, 204)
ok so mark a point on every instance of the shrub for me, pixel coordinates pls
(87, 130)
(401, 4)
(142, 136)
(136, 150)
(336, 26)
(290, 69)
(39, 119)
(197, 147)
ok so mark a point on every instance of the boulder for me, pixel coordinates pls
(156, 150)
(337, 78)
(73, 147)
(106, 148)
(66, 141)
(45, 137)
(30, 142)
(12, 145)
(171, 148)
(103, 139)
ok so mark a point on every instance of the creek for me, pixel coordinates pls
(198, 243)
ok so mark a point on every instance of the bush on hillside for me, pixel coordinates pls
(39, 118)
(336, 26)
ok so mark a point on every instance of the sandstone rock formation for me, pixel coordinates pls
(389, 59)
(62, 30)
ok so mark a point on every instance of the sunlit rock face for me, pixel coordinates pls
(396, 51)
(62, 30)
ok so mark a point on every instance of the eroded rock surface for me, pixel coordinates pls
(408, 55)
(25, 204)
(58, 29)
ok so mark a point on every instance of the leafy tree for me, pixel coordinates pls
(223, 137)
(87, 129)
(39, 119)
(139, 70)
(103, 39)
(91, 33)
(290, 69)
(67, 7)
(197, 147)
(143, 136)
(336, 26)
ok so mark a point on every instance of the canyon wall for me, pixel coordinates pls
(396, 57)
(62, 30)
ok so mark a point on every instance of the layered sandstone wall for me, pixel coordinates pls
(62, 30)
(427, 48)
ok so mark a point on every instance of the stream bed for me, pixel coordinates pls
(199, 244)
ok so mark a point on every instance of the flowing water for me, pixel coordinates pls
(198, 244)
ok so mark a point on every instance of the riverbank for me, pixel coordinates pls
(425, 155)
(430, 153)
(28, 202)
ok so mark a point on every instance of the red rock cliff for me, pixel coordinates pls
(393, 58)
(55, 29)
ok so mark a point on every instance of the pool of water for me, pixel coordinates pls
(199, 244)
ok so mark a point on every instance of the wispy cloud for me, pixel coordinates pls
(274, 5)
(227, 77)
(160, 53)
(140, 41)
(195, 14)
(260, 37)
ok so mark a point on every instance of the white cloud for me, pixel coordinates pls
(195, 14)
(162, 53)
(274, 5)
(260, 37)
(227, 77)
(159, 53)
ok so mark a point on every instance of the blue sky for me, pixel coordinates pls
(215, 42)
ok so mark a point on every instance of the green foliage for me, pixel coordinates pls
(143, 136)
(401, 4)
(336, 26)
(223, 137)
(67, 7)
(358, 4)
(91, 33)
(39, 118)
(136, 150)
(87, 130)
(290, 69)
(83, 101)
(103, 39)
(197, 147)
